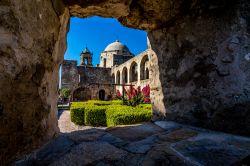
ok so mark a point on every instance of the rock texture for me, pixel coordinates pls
(32, 44)
(203, 59)
(204, 70)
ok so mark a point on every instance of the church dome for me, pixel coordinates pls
(117, 46)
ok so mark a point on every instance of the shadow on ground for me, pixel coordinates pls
(147, 144)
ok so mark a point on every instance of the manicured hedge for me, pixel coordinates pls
(95, 116)
(123, 116)
(77, 115)
(108, 113)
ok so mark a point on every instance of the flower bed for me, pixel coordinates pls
(108, 113)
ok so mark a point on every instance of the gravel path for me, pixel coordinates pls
(66, 126)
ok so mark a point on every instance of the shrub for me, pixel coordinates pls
(127, 115)
(108, 113)
(134, 97)
(77, 115)
(65, 92)
(95, 116)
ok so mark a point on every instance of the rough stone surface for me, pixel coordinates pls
(142, 146)
(32, 44)
(90, 152)
(135, 132)
(168, 125)
(202, 69)
(212, 149)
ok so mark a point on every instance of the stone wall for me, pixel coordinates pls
(69, 75)
(205, 69)
(91, 92)
(94, 75)
(32, 44)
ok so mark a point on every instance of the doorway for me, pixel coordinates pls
(102, 95)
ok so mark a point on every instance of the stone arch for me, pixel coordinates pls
(147, 73)
(101, 94)
(118, 77)
(124, 75)
(32, 69)
(144, 68)
(133, 72)
(81, 94)
(113, 78)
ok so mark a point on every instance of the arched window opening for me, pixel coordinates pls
(118, 77)
(125, 75)
(147, 73)
(102, 94)
(113, 79)
(144, 68)
(133, 72)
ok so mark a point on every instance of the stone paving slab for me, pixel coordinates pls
(168, 125)
(48, 153)
(88, 153)
(109, 138)
(135, 132)
(91, 134)
(142, 146)
(211, 149)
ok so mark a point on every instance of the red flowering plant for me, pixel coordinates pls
(146, 94)
(118, 94)
(133, 97)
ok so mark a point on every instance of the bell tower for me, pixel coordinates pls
(86, 58)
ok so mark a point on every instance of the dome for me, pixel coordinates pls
(117, 46)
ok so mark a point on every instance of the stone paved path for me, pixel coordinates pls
(161, 143)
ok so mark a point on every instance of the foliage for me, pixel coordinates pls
(77, 115)
(95, 116)
(127, 115)
(133, 97)
(65, 92)
(108, 113)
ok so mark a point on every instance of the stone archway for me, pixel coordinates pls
(81, 94)
(201, 48)
(133, 72)
(144, 64)
(102, 94)
(118, 77)
(124, 75)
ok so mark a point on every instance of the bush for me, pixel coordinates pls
(125, 115)
(95, 116)
(108, 113)
(65, 92)
(77, 115)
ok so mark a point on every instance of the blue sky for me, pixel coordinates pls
(97, 32)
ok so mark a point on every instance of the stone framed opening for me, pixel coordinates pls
(81, 94)
(144, 65)
(118, 77)
(113, 78)
(195, 58)
(133, 72)
(102, 94)
(124, 75)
